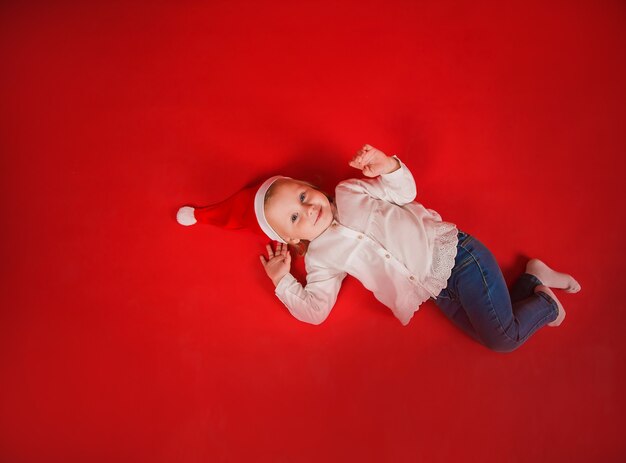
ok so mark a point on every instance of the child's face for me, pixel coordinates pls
(297, 211)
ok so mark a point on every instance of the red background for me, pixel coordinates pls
(126, 337)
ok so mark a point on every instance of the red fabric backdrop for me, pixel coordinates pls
(126, 337)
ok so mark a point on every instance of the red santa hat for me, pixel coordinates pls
(244, 209)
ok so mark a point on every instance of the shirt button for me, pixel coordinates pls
(411, 278)
(387, 256)
(360, 237)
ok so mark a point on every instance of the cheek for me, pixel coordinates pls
(321, 198)
(276, 226)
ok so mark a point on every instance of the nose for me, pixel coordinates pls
(313, 209)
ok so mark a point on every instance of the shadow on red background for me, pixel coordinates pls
(126, 337)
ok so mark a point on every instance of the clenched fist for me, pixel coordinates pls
(373, 162)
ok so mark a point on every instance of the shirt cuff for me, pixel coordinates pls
(396, 174)
(284, 283)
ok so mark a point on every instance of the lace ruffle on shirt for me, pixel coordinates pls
(444, 253)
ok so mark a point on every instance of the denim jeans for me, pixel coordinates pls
(478, 302)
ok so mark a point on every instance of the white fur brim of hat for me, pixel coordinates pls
(259, 202)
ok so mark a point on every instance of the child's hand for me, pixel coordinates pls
(278, 264)
(373, 162)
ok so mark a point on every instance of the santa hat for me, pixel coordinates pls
(242, 210)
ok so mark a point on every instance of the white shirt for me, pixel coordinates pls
(398, 249)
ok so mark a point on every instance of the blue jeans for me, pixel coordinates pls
(478, 302)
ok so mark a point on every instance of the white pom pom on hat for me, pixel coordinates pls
(236, 212)
(185, 216)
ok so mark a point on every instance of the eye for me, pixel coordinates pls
(294, 217)
(302, 197)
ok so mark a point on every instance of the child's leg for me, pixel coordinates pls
(453, 310)
(524, 287)
(480, 289)
(527, 285)
(447, 301)
(538, 273)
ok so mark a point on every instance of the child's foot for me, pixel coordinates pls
(561, 315)
(552, 278)
(185, 216)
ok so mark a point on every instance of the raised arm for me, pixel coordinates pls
(392, 180)
(373, 162)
